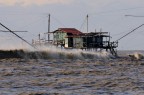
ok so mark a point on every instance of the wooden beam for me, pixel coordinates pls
(13, 31)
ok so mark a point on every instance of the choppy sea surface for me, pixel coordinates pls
(64, 76)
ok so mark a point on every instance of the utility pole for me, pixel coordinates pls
(48, 27)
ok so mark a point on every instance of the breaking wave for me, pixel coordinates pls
(44, 52)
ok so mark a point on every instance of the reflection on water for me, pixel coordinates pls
(71, 77)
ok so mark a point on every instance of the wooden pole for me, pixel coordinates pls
(87, 23)
(87, 32)
(48, 27)
(17, 35)
(39, 37)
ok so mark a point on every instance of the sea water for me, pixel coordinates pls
(72, 76)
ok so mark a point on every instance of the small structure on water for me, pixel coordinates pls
(71, 38)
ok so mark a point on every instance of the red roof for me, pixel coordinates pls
(70, 30)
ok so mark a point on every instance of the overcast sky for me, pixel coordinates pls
(32, 16)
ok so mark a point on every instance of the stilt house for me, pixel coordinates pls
(73, 38)
(68, 38)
